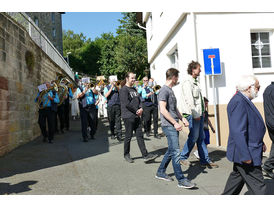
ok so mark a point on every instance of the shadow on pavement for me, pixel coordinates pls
(66, 148)
(7, 188)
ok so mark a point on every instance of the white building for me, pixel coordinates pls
(245, 41)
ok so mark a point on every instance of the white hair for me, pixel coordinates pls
(245, 82)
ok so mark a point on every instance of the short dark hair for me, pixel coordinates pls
(192, 65)
(127, 74)
(171, 72)
(205, 99)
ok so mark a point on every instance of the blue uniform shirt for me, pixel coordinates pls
(89, 96)
(46, 101)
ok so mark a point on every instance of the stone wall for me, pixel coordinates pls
(23, 66)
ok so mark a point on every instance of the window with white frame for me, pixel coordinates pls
(260, 47)
(174, 59)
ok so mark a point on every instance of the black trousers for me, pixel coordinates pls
(149, 112)
(66, 115)
(114, 118)
(244, 173)
(47, 116)
(60, 114)
(96, 119)
(134, 124)
(88, 119)
(269, 163)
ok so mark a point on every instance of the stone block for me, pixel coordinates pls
(3, 21)
(4, 141)
(22, 39)
(2, 32)
(4, 106)
(2, 43)
(3, 95)
(4, 115)
(3, 56)
(3, 83)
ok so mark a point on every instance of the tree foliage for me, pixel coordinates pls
(109, 55)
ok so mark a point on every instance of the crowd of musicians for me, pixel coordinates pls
(89, 101)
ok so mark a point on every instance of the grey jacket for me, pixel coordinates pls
(191, 97)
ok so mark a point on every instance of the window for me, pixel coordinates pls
(53, 32)
(260, 47)
(53, 17)
(36, 21)
(174, 59)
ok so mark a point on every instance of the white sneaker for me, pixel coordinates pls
(196, 154)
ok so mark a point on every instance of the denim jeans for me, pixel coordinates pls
(196, 135)
(172, 153)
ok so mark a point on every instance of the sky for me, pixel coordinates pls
(91, 24)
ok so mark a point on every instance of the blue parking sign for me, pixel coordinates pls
(212, 62)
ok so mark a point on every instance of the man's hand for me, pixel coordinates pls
(139, 112)
(178, 127)
(50, 97)
(264, 147)
(247, 161)
(186, 123)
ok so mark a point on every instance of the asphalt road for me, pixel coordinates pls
(70, 166)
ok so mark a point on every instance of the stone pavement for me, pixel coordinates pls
(70, 166)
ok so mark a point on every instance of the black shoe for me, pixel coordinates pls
(157, 136)
(50, 141)
(62, 131)
(149, 157)
(112, 136)
(85, 140)
(119, 139)
(92, 137)
(147, 134)
(269, 173)
(45, 139)
(128, 159)
(67, 129)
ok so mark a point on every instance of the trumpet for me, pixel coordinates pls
(156, 88)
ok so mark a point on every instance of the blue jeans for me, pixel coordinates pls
(196, 135)
(172, 153)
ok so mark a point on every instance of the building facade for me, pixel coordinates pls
(51, 24)
(245, 41)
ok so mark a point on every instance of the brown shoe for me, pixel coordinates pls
(210, 165)
(185, 163)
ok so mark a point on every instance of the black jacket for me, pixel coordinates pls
(269, 109)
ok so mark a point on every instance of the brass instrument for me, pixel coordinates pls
(156, 88)
(44, 92)
(118, 83)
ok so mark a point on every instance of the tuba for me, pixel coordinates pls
(40, 103)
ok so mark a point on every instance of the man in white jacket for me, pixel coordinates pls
(193, 109)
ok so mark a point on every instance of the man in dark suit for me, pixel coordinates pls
(245, 142)
(269, 120)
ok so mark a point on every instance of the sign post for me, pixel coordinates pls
(213, 67)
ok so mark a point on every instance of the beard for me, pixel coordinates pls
(253, 93)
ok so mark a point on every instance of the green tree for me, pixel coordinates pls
(131, 55)
(129, 25)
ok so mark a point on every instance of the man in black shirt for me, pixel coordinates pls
(269, 120)
(131, 110)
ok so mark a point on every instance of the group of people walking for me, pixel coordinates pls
(137, 105)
